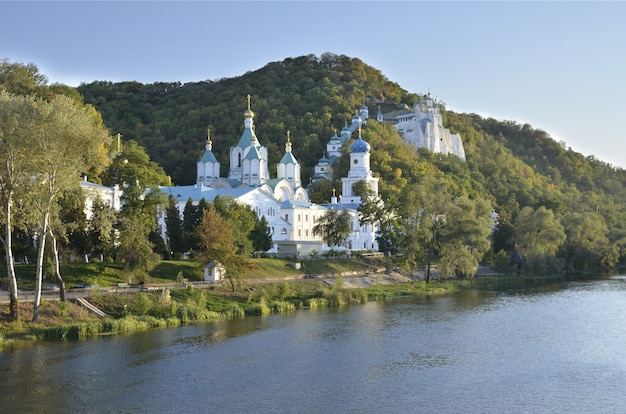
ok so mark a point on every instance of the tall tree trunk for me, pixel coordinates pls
(39, 273)
(57, 267)
(8, 247)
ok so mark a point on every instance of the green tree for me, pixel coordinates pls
(17, 124)
(135, 249)
(217, 243)
(56, 140)
(139, 179)
(261, 236)
(587, 246)
(174, 225)
(333, 227)
(422, 214)
(20, 79)
(464, 236)
(100, 227)
(190, 221)
(68, 140)
(242, 220)
(538, 236)
(71, 226)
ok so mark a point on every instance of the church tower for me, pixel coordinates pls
(248, 159)
(208, 165)
(379, 115)
(289, 167)
(359, 171)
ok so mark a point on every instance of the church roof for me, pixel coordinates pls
(183, 193)
(396, 113)
(246, 138)
(254, 154)
(341, 206)
(288, 158)
(323, 160)
(208, 157)
(273, 182)
(355, 123)
(289, 204)
(359, 146)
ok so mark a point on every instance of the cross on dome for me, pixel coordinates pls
(248, 113)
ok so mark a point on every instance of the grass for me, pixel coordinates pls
(109, 274)
(132, 311)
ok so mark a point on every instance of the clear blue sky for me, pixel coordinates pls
(559, 66)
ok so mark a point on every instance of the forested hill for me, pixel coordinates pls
(310, 96)
(508, 164)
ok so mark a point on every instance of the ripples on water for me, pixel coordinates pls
(555, 349)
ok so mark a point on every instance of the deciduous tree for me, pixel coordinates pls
(216, 240)
(333, 227)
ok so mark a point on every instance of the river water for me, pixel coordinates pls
(561, 348)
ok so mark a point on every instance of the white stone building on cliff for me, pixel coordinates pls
(422, 128)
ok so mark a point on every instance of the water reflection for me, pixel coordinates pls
(551, 349)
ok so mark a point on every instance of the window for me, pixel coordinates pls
(298, 218)
(299, 233)
(283, 231)
(286, 217)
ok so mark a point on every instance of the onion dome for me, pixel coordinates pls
(359, 146)
(248, 113)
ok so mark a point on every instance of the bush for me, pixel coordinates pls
(257, 309)
(234, 310)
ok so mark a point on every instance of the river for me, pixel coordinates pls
(556, 349)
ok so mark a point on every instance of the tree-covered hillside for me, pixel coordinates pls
(510, 166)
(310, 96)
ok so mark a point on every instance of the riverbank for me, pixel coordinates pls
(168, 306)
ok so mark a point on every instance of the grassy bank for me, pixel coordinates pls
(166, 308)
(110, 274)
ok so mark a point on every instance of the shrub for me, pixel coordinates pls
(283, 306)
(234, 310)
(257, 309)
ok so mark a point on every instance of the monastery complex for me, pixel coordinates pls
(283, 200)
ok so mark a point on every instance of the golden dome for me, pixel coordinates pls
(248, 113)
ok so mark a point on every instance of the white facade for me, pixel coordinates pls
(282, 200)
(359, 171)
(110, 196)
(423, 128)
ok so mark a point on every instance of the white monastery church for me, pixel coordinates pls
(422, 127)
(283, 201)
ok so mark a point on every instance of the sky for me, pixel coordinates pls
(558, 66)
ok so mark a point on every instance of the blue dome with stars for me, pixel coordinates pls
(359, 146)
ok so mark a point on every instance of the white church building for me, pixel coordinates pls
(283, 201)
(422, 128)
